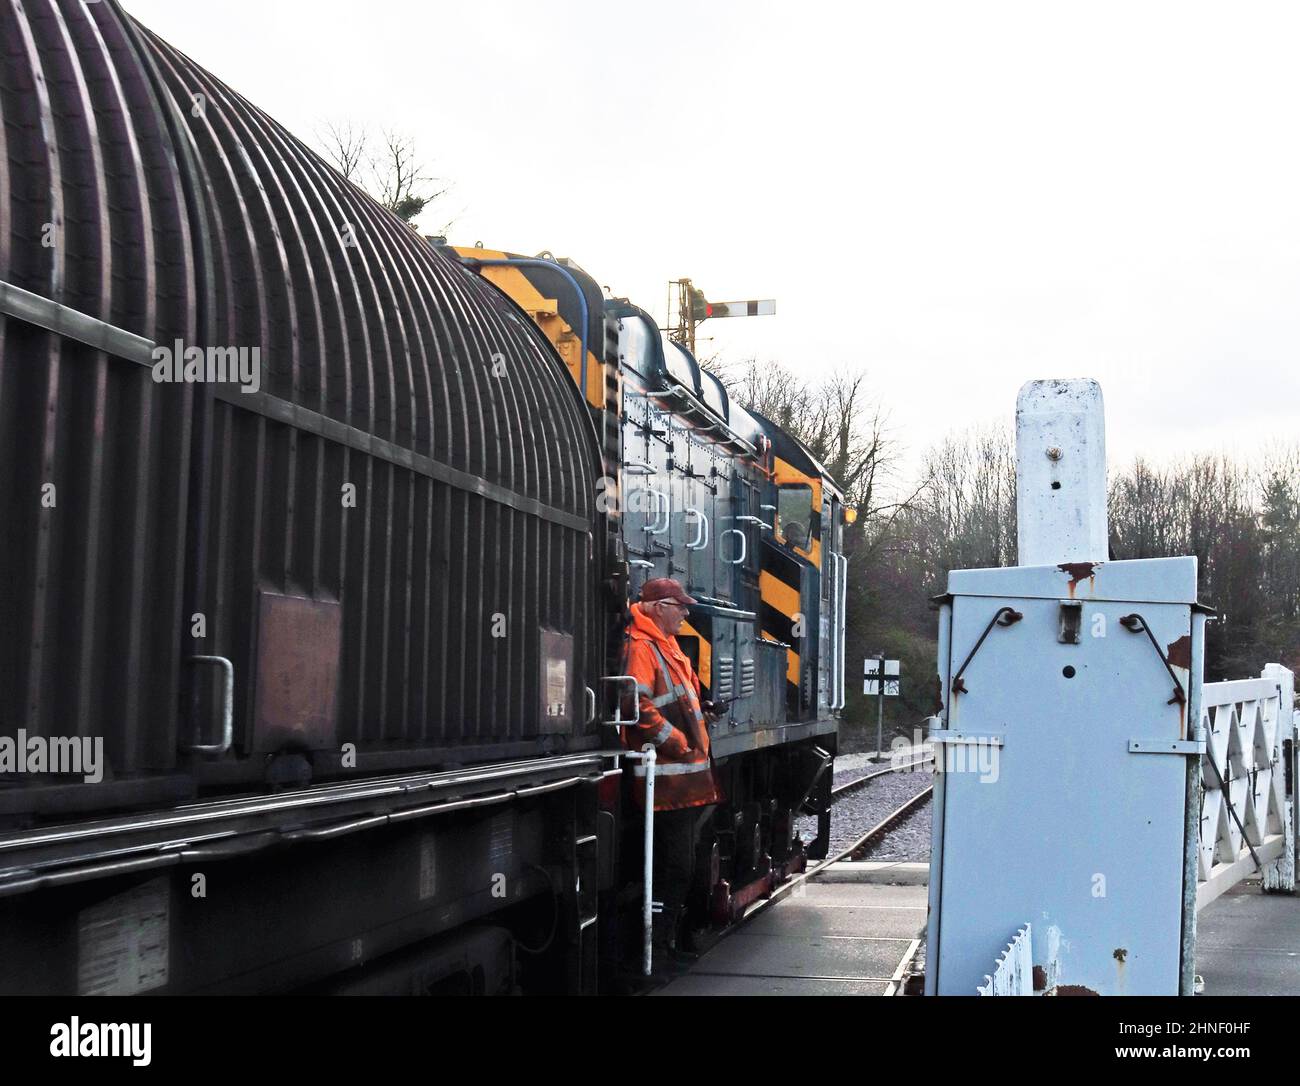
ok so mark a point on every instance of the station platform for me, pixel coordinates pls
(825, 938)
(850, 931)
(1248, 943)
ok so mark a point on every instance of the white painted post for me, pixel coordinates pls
(648, 904)
(1061, 473)
(1280, 875)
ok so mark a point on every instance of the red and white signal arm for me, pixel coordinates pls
(753, 307)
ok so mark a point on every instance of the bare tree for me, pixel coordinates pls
(404, 188)
(1242, 522)
(841, 425)
(345, 147)
(965, 516)
(393, 173)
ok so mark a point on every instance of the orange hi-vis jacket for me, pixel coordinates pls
(671, 719)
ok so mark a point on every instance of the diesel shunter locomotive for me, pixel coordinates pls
(318, 543)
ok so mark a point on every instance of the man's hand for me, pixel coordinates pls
(675, 746)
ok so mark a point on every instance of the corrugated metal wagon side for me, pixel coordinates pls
(94, 240)
(365, 485)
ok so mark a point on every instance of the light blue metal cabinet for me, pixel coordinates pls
(1063, 775)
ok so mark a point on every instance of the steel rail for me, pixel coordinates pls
(894, 818)
(857, 783)
(794, 883)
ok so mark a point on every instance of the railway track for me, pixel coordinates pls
(842, 790)
(859, 845)
(861, 848)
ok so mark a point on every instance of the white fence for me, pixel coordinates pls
(1013, 972)
(1248, 777)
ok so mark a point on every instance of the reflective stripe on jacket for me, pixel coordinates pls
(671, 719)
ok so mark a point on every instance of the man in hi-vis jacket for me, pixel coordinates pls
(676, 722)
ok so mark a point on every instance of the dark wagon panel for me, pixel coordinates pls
(390, 539)
(93, 496)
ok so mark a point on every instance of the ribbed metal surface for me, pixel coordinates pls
(91, 216)
(392, 338)
(407, 623)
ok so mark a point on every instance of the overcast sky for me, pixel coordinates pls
(959, 196)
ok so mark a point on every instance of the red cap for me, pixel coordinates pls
(664, 588)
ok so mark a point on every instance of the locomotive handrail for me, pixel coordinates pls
(667, 510)
(648, 904)
(744, 544)
(833, 681)
(701, 539)
(840, 564)
(694, 407)
(619, 721)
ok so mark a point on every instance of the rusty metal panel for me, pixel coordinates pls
(298, 643)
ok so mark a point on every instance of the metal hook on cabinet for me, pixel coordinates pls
(1135, 623)
(1005, 616)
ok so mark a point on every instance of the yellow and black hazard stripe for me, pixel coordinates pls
(696, 640)
(780, 590)
(540, 288)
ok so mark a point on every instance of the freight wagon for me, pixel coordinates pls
(323, 535)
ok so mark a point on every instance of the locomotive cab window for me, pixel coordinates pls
(794, 510)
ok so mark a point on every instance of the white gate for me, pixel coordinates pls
(1248, 777)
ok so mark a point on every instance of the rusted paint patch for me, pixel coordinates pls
(938, 695)
(1072, 990)
(1180, 652)
(296, 695)
(1077, 571)
(1120, 954)
(1040, 978)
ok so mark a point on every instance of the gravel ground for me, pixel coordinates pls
(848, 766)
(851, 766)
(857, 812)
(909, 842)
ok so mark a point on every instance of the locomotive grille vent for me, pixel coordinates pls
(726, 667)
(746, 678)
